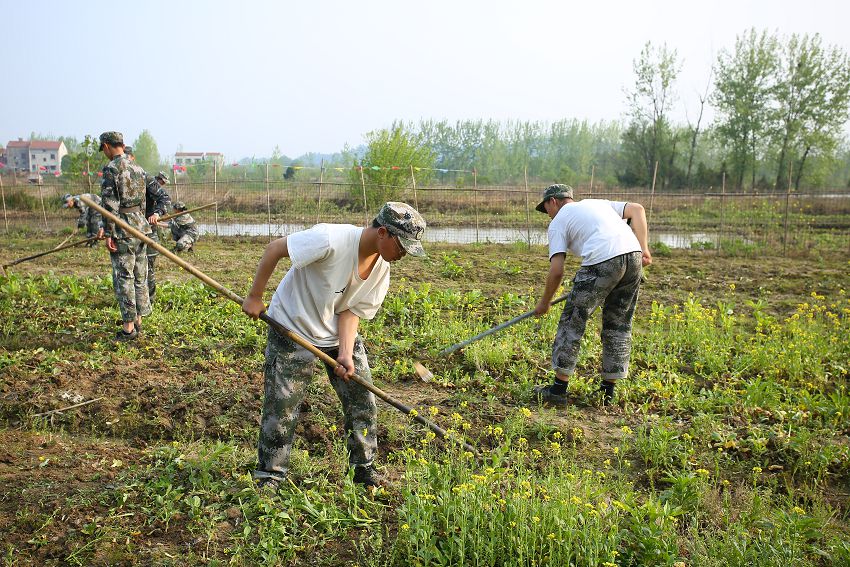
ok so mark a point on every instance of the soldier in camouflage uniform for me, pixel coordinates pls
(339, 275)
(184, 229)
(157, 201)
(613, 254)
(89, 218)
(123, 192)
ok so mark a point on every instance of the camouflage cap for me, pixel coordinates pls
(179, 205)
(112, 138)
(65, 200)
(405, 222)
(162, 176)
(558, 191)
(129, 150)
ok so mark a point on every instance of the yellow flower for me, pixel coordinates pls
(365, 432)
(433, 411)
(405, 527)
(333, 428)
(526, 412)
(626, 429)
(703, 473)
(756, 470)
(413, 413)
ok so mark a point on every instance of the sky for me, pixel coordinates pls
(241, 77)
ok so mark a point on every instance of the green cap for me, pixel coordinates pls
(112, 138)
(558, 191)
(162, 176)
(405, 222)
(129, 150)
(179, 205)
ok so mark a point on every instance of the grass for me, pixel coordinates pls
(728, 443)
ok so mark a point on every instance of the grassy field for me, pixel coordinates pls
(729, 443)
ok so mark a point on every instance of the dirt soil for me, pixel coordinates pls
(152, 401)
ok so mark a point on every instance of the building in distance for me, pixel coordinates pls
(35, 156)
(193, 158)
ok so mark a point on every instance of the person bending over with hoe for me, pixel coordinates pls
(123, 194)
(184, 229)
(89, 218)
(613, 254)
(339, 275)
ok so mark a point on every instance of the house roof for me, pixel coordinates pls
(189, 154)
(34, 144)
(44, 145)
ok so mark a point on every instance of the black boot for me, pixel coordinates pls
(607, 390)
(368, 476)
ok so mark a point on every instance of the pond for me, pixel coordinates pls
(455, 234)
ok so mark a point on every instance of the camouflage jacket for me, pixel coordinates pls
(157, 199)
(88, 216)
(123, 186)
(183, 225)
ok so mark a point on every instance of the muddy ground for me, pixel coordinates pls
(53, 471)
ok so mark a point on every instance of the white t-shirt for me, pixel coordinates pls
(324, 281)
(592, 229)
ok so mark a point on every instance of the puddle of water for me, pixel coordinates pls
(454, 234)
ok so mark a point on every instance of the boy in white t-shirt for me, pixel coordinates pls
(613, 254)
(340, 274)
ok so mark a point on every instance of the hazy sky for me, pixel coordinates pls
(240, 77)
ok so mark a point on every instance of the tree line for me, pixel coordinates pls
(780, 104)
(781, 107)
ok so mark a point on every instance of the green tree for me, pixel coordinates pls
(147, 154)
(385, 168)
(85, 163)
(812, 96)
(649, 138)
(743, 90)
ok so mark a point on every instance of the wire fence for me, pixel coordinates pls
(788, 223)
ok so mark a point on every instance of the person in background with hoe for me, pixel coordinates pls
(157, 201)
(89, 219)
(184, 229)
(123, 194)
(340, 274)
(613, 254)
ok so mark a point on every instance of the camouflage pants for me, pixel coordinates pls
(184, 243)
(288, 371)
(129, 278)
(152, 254)
(92, 226)
(614, 284)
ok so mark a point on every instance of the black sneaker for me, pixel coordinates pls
(124, 337)
(368, 476)
(138, 326)
(607, 390)
(544, 395)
